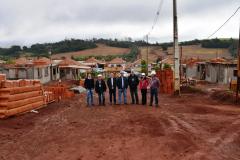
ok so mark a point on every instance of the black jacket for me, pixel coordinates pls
(109, 83)
(100, 87)
(133, 81)
(119, 83)
(89, 83)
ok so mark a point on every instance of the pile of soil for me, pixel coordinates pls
(191, 90)
(223, 96)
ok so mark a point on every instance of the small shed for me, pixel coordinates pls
(220, 72)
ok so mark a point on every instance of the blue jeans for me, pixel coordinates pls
(154, 94)
(101, 98)
(120, 92)
(90, 97)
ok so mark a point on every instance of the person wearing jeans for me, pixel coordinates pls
(122, 85)
(100, 88)
(154, 85)
(89, 85)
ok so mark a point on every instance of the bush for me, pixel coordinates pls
(167, 66)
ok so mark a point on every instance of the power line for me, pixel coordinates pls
(155, 20)
(224, 23)
(156, 16)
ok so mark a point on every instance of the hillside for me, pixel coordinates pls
(101, 49)
(191, 51)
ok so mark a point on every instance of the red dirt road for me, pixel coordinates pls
(193, 127)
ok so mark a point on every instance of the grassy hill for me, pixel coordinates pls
(101, 49)
(191, 51)
(108, 49)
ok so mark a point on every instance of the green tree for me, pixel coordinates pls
(144, 67)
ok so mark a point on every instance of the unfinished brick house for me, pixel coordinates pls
(31, 68)
(70, 69)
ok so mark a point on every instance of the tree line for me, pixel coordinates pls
(44, 49)
(71, 45)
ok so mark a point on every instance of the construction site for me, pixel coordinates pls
(52, 122)
(63, 100)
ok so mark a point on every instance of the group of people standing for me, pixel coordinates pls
(121, 84)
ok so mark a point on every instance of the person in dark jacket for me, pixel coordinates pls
(112, 84)
(122, 85)
(89, 85)
(100, 88)
(133, 82)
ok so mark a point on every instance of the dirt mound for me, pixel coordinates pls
(191, 90)
(223, 96)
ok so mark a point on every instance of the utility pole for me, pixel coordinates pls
(147, 53)
(176, 50)
(238, 68)
(181, 68)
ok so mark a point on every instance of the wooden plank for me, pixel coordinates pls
(2, 114)
(17, 97)
(18, 90)
(24, 109)
(23, 102)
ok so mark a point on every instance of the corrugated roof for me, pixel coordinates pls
(117, 61)
(42, 61)
(68, 61)
(23, 61)
(93, 60)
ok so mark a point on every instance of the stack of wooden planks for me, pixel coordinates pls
(19, 96)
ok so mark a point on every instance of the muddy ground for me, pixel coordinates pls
(193, 127)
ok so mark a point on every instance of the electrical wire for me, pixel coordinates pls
(224, 23)
(155, 20)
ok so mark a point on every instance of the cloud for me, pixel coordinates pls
(26, 22)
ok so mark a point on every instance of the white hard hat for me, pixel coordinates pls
(122, 72)
(153, 73)
(143, 74)
(99, 75)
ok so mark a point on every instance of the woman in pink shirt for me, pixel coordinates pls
(143, 87)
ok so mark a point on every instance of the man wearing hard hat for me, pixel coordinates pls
(154, 86)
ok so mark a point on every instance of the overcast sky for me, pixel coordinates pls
(25, 22)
